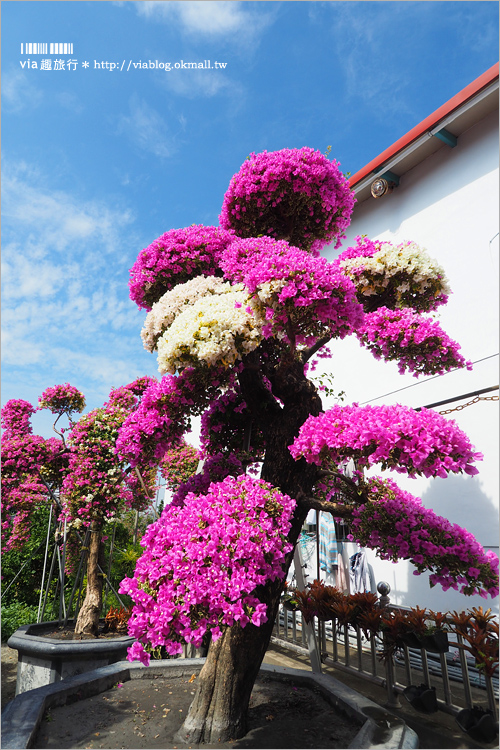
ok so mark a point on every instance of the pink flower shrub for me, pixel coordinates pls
(202, 563)
(293, 194)
(416, 342)
(396, 437)
(394, 276)
(174, 258)
(224, 426)
(179, 464)
(397, 525)
(26, 458)
(97, 484)
(216, 467)
(306, 292)
(16, 418)
(62, 399)
(163, 416)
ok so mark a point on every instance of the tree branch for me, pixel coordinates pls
(308, 353)
(337, 510)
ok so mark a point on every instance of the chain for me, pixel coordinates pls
(469, 403)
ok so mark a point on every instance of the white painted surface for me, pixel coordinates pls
(448, 204)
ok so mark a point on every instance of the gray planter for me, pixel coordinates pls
(42, 661)
(22, 716)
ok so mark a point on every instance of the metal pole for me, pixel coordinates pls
(45, 563)
(48, 583)
(106, 589)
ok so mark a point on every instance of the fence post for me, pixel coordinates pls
(384, 590)
(312, 643)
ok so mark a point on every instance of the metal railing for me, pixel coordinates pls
(458, 682)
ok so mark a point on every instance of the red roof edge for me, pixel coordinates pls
(456, 101)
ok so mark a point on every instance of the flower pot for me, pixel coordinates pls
(436, 642)
(290, 605)
(422, 698)
(479, 723)
(43, 660)
(412, 640)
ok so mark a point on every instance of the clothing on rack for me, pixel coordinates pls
(328, 549)
(359, 573)
(341, 580)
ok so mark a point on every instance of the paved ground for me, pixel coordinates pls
(436, 732)
(9, 673)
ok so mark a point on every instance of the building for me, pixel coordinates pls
(444, 196)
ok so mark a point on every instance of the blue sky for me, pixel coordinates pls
(98, 162)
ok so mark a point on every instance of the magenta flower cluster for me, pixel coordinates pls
(293, 194)
(25, 459)
(174, 258)
(216, 467)
(224, 424)
(415, 341)
(295, 287)
(202, 563)
(62, 399)
(16, 418)
(178, 465)
(397, 525)
(364, 248)
(97, 485)
(163, 416)
(396, 437)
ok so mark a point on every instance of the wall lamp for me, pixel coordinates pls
(384, 184)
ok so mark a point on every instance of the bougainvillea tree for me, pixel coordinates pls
(81, 474)
(237, 314)
(32, 466)
(98, 486)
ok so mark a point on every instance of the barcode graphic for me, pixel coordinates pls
(44, 48)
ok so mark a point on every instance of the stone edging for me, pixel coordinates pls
(22, 716)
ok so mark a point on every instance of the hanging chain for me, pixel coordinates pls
(469, 403)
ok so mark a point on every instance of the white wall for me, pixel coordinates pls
(448, 204)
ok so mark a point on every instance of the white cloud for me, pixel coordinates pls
(70, 101)
(209, 18)
(195, 83)
(146, 128)
(65, 308)
(18, 93)
(51, 220)
(366, 56)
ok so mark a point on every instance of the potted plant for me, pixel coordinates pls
(89, 486)
(479, 723)
(435, 638)
(420, 633)
(422, 698)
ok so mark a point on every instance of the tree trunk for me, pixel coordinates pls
(219, 709)
(88, 617)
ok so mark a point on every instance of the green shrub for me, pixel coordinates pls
(15, 615)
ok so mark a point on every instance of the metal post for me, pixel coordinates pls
(306, 627)
(392, 696)
(45, 564)
(111, 550)
(48, 583)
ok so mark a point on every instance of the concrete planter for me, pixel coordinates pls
(42, 661)
(22, 716)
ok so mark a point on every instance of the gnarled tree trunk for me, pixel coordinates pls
(87, 622)
(219, 709)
